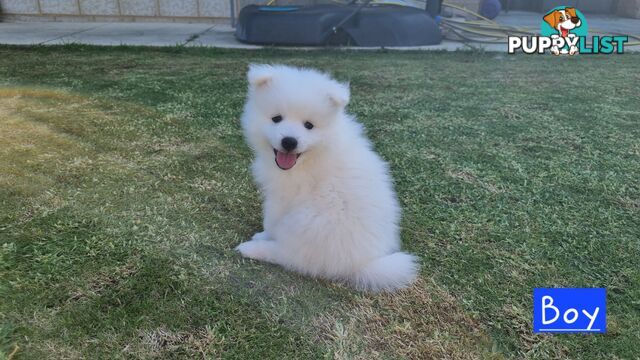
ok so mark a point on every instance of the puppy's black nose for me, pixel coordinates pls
(289, 143)
(575, 20)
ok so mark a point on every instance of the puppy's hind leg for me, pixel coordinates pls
(260, 247)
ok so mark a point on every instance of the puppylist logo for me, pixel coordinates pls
(564, 32)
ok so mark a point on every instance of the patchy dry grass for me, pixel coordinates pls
(421, 322)
(124, 187)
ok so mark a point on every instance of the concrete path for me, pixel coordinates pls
(217, 35)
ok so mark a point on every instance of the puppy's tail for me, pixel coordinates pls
(388, 273)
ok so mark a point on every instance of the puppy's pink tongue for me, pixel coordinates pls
(285, 160)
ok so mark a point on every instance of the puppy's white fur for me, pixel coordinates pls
(334, 214)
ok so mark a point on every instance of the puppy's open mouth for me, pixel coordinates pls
(564, 31)
(285, 161)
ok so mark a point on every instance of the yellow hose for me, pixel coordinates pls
(463, 9)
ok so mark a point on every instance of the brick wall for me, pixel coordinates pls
(116, 10)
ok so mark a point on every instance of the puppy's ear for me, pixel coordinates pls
(552, 18)
(259, 75)
(339, 95)
(571, 11)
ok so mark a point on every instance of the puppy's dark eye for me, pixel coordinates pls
(277, 118)
(308, 125)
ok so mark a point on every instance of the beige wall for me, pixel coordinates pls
(143, 10)
(472, 5)
(116, 10)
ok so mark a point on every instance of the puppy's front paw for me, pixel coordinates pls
(260, 236)
(255, 249)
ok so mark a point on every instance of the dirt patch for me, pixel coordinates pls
(104, 281)
(162, 342)
(422, 322)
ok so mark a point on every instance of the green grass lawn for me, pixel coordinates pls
(124, 187)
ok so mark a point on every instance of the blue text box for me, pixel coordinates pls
(569, 310)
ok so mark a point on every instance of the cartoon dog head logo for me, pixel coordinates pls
(563, 20)
(564, 23)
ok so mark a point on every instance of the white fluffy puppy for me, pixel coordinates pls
(329, 206)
